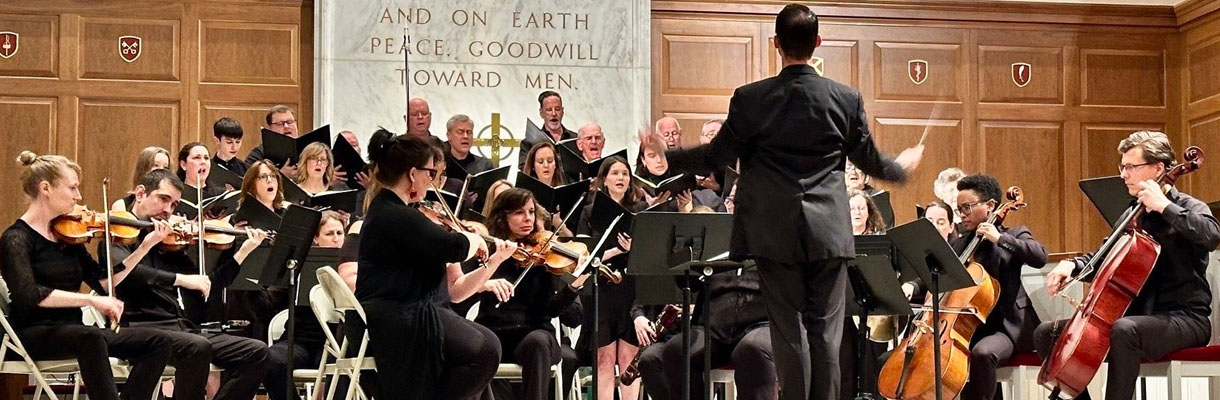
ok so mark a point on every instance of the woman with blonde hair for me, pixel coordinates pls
(316, 171)
(152, 157)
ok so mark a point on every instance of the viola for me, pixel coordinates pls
(1122, 266)
(909, 373)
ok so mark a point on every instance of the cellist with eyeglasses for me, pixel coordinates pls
(1171, 311)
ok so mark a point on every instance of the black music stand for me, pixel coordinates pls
(929, 256)
(668, 244)
(292, 244)
(595, 257)
(875, 291)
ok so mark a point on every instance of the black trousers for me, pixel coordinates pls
(305, 355)
(244, 361)
(652, 370)
(751, 356)
(1133, 339)
(989, 351)
(148, 351)
(805, 304)
(471, 354)
(536, 351)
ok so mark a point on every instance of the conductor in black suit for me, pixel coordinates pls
(793, 134)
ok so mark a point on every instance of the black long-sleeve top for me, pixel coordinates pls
(1187, 233)
(403, 254)
(34, 266)
(149, 295)
(539, 297)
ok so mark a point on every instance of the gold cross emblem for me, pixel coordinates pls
(495, 142)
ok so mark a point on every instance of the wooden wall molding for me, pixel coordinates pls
(945, 10)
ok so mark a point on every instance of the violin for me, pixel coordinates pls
(82, 225)
(562, 258)
(439, 214)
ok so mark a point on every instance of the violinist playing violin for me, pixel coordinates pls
(152, 289)
(523, 321)
(1009, 328)
(1171, 311)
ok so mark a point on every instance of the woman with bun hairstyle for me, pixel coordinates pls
(423, 349)
(44, 276)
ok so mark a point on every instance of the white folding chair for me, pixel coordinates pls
(344, 300)
(27, 366)
(512, 372)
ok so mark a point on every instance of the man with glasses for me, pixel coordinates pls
(280, 119)
(1171, 311)
(550, 108)
(419, 118)
(459, 161)
(1002, 253)
(709, 131)
(671, 131)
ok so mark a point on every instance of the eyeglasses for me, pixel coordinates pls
(1128, 167)
(672, 134)
(284, 123)
(432, 173)
(267, 177)
(964, 208)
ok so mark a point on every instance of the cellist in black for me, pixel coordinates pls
(1003, 252)
(1171, 312)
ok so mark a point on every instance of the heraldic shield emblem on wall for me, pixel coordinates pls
(130, 48)
(917, 70)
(8, 44)
(1021, 73)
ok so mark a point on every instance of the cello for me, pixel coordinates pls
(1122, 265)
(909, 372)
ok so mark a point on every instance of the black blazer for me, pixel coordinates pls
(792, 133)
(1013, 313)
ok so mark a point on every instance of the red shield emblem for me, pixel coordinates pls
(917, 70)
(8, 44)
(1021, 73)
(129, 48)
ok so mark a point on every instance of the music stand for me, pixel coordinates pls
(876, 291)
(595, 256)
(929, 256)
(292, 244)
(673, 244)
(1109, 195)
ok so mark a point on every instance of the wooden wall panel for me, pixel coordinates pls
(1123, 77)
(1205, 133)
(1007, 74)
(893, 135)
(28, 124)
(139, 124)
(249, 53)
(1012, 149)
(1202, 60)
(34, 45)
(1097, 73)
(68, 91)
(899, 78)
(703, 62)
(158, 58)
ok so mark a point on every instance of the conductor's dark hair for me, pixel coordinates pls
(796, 31)
(393, 156)
(152, 180)
(986, 186)
(227, 128)
(546, 94)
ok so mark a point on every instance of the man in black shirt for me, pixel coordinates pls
(280, 119)
(550, 108)
(151, 295)
(228, 135)
(459, 161)
(1171, 311)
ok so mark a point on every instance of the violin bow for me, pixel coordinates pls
(114, 325)
(199, 219)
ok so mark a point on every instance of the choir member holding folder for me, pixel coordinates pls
(261, 203)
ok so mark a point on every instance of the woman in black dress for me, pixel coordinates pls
(422, 348)
(45, 276)
(616, 342)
